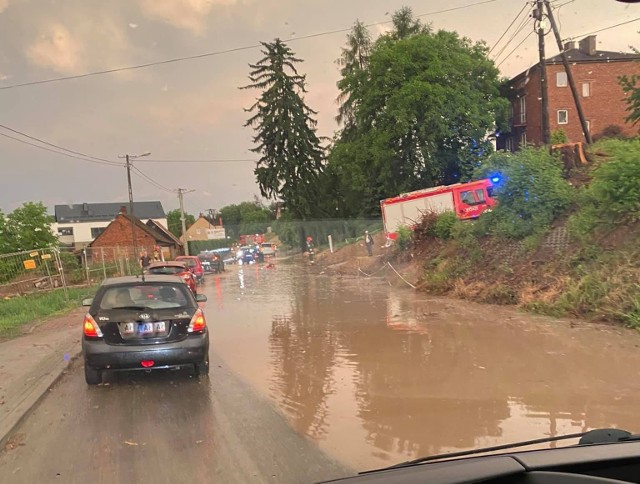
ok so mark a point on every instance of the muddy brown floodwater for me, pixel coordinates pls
(377, 375)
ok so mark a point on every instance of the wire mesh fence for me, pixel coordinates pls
(46, 269)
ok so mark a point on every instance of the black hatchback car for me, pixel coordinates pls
(144, 323)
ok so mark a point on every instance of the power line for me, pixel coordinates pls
(221, 52)
(521, 26)
(59, 152)
(516, 48)
(144, 176)
(59, 147)
(509, 27)
(603, 29)
(221, 160)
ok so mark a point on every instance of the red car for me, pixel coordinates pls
(175, 268)
(194, 265)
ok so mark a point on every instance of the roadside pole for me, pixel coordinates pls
(104, 269)
(330, 243)
(539, 16)
(181, 192)
(567, 69)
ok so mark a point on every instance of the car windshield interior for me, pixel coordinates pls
(189, 262)
(156, 296)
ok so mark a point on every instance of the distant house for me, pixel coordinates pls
(78, 224)
(117, 238)
(205, 229)
(596, 76)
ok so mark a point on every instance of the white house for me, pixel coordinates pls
(78, 224)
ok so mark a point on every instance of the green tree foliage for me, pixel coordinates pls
(353, 63)
(175, 224)
(630, 87)
(530, 196)
(27, 227)
(291, 157)
(613, 196)
(246, 218)
(422, 110)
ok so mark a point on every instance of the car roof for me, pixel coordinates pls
(171, 263)
(181, 257)
(150, 278)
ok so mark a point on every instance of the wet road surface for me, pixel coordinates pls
(309, 370)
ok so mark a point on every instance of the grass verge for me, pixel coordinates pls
(21, 310)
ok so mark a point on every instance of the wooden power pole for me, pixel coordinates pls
(567, 69)
(538, 14)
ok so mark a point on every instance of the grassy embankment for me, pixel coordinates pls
(17, 311)
(564, 242)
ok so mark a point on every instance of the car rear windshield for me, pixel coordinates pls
(189, 262)
(267, 245)
(167, 270)
(146, 296)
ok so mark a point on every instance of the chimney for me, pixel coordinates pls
(569, 45)
(123, 210)
(588, 45)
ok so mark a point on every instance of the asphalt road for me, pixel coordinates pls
(160, 427)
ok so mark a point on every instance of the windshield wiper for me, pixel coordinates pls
(597, 436)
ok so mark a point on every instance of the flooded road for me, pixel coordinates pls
(377, 375)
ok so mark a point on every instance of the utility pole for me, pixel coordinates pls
(127, 158)
(538, 14)
(181, 192)
(567, 69)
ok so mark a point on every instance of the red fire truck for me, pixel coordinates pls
(251, 239)
(466, 200)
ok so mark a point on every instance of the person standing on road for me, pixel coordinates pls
(145, 260)
(368, 241)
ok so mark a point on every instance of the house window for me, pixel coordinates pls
(563, 116)
(509, 144)
(63, 231)
(198, 231)
(561, 79)
(588, 126)
(523, 138)
(586, 89)
(523, 110)
(95, 231)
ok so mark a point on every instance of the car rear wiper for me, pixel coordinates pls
(597, 436)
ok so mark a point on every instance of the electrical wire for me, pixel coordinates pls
(521, 27)
(221, 52)
(59, 147)
(150, 180)
(221, 160)
(508, 28)
(59, 152)
(516, 48)
(602, 30)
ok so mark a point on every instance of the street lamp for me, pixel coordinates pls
(128, 157)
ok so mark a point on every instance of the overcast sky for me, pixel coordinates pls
(193, 109)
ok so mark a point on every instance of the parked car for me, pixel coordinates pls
(194, 265)
(144, 323)
(175, 268)
(268, 249)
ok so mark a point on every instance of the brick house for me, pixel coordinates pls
(117, 239)
(596, 76)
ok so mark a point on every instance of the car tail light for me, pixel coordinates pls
(198, 323)
(91, 328)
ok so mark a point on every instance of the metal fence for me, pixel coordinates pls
(42, 270)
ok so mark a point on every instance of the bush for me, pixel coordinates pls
(558, 137)
(404, 236)
(531, 194)
(613, 196)
(443, 225)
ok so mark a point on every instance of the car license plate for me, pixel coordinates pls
(160, 327)
(129, 328)
(145, 328)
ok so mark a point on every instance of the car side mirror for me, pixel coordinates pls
(201, 298)
(87, 302)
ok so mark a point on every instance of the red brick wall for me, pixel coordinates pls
(118, 234)
(603, 107)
